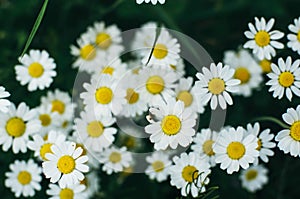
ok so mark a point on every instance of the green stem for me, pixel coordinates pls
(272, 119)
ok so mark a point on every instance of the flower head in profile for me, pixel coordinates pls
(294, 37)
(4, 103)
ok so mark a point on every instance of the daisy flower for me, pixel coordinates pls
(178, 68)
(294, 38)
(15, 127)
(42, 145)
(285, 78)
(115, 160)
(265, 65)
(158, 168)
(233, 149)
(91, 182)
(65, 164)
(246, 70)
(37, 70)
(289, 139)
(4, 103)
(203, 144)
(264, 142)
(23, 178)
(262, 39)
(188, 168)
(154, 2)
(104, 95)
(94, 132)
(165, 52)
(49, 120)
(254, 178)
(214, 85)
(74, 191)
(175, 125)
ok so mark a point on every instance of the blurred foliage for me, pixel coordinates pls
(218, 25)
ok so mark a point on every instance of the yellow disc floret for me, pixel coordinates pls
(15, 127)
(171, 125)
(160, 51)
(104, 95)
(35, 70)
(242, 74)
(189, 173)
(216, 86)
(66, 164)
(88, 52)
(24, 177)
(262, 38)
(186, 97)
(286, 79)
(155, 84)
(236, 150)
(95, 129)
(103, 40)
(295, 131)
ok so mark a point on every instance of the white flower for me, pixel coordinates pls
(246, 70)
(104, 95)
(174, 126)
(65, 164)
(233, 149)
(159, 164)
(115, 160)
(154, 2)
(285, 78)
(264, 142)
(95, 132)
(37, 70)
(4, 103)
(188, 168)
(289, 139)
(262, 39)
(24, 178)
(254, 178)
(294, 39)
(214, 85)
(15, 127)
(74, 191)
(203, 144)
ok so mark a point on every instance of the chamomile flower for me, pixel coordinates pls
(4, 103)
(91, 182)
(254, 178)
(42, 145)
(49, 120)
(95, 132)
(203, 144)
(289, 139)
(15, 127)
(154, 2)
(24, 178)
(264, 142)
(246, 70)
(65, 164)
(159, 164)
(285, 78)
(233, 149)
(294, 38)
(188, 168)
(37, 70)
(262, 39)
(115, 160)
(104, 94)
(215, 84)
(74, 191)
(175, 125)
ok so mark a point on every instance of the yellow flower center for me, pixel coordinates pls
(66, 193)
(158, 166)
(88, 52)
(15, 127)
(95, 129)
(295, 131)
(265, 65)
(259, 144)
(298, 36)
(35, 70)
(108, 70)
(186, 97)
(242, 74)
(103, 40)
(104, 95)
(251, 174)
(24, 177)
(207, 147)
(66, 164)
(171, 125)
(216, 86)
(286, 79)
(189, 173)
(155, 84)
(262, 38)
(132, 96)
(46, 148)
(45, 119)
(115, 157)
(236, 150)
(58, 106)
(160, 51)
